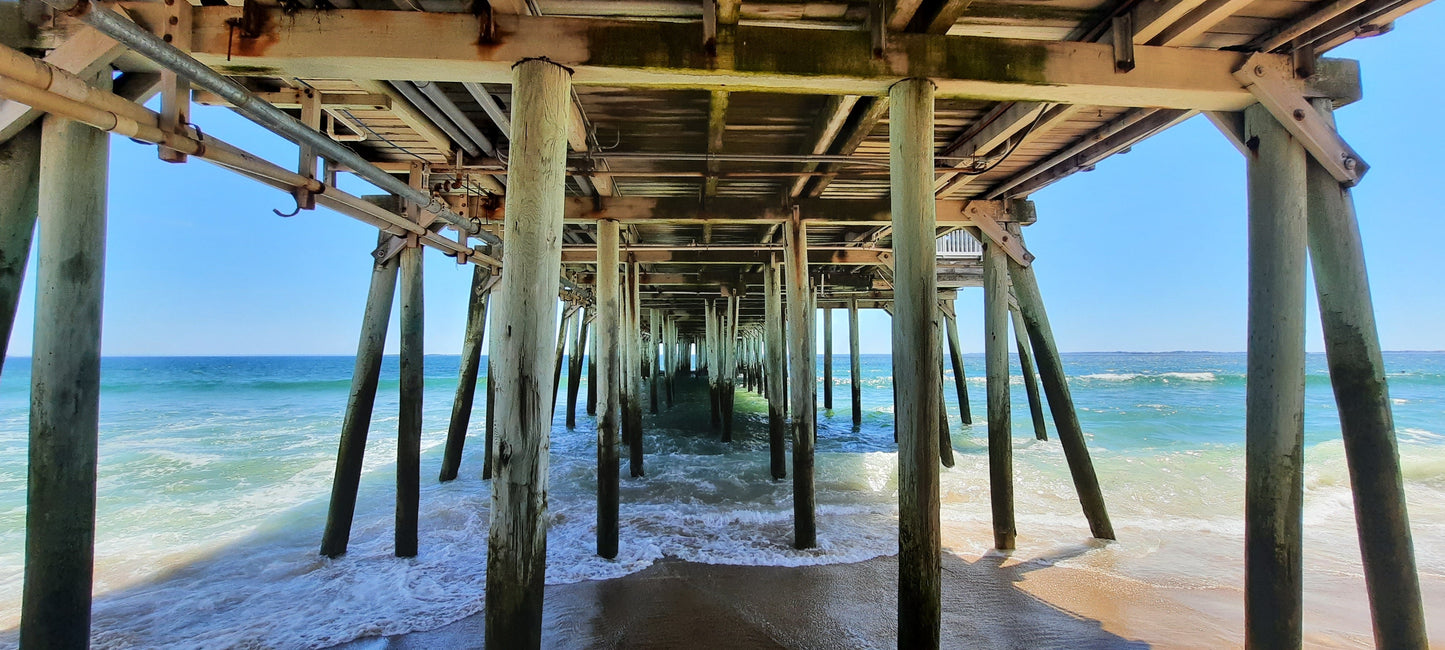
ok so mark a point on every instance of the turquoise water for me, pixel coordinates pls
(214, 476)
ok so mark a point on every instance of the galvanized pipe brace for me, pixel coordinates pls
(257, 110)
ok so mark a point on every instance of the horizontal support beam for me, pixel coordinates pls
(351, 43)
(848, 257)
(716, 279)
(291, 98)
(839, 212)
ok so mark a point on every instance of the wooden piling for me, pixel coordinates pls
(654, 326)
(471, 363)
(592, 376)
(804, 391)
(566, 329)
(357, 422)
(710, 326)
(536, 191)
(827, 359)
(1000, 425)
(1357, 373)
(915, 360)
(730, 353)
(609, 381)
(1274, 393)
(491, 436)
(960, 378)
(776, 366)
(855, 372)
(19, 186)
(574, 367)
(408, 420)
(1031, 382)
(1061, 402)
(65, 386)
(634, 382)
(945, 435)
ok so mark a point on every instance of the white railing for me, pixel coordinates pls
(959, 244)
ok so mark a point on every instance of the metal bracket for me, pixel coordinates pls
(1271, 81)
(878, 26)
(709, 27)
(1124, 42)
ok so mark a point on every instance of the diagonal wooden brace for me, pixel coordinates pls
(984, 224)
(1272, 82)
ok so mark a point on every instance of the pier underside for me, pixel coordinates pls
(698, 182)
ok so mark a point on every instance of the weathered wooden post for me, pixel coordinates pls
(609, 380)
(566, 329)
(1000, 425)
(536, 190)
(19, 185)
(669, 342)
(1056, 389)
(626, 368)
(471, 363)
(804, 391)
(65, 386)
(1031, 382)
(710, 331)
(854, 363)
(1274, 397)
(945, 435)
(916, 360)
(491, 436)
(654, 326)
(827, 359)
(408, 421)
(592, 376)
(409, 410)
(357, 421)
(1357, 372)
(728, 389)
(777, 365)
(574, 367)
(634, 382)
(960, 380)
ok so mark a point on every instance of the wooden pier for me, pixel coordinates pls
(693, 182)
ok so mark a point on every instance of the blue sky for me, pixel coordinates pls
(1146, 253)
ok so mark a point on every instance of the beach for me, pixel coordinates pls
(991, 601)
(215, 475)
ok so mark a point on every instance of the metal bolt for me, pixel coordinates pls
(1299, 115)
(1350, 162)
(1259, 71)
(174, 20)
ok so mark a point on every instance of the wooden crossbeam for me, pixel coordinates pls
(344, 44)
(700, 255)
(837, 212)
(292, 98)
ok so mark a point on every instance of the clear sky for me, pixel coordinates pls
(1145, 253)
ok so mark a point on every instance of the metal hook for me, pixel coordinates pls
(293, 212)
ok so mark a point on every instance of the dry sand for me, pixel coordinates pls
(989, 602)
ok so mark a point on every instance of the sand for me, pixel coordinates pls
(991, 601)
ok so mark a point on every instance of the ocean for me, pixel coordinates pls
(215, 475)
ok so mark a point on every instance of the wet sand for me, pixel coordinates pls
(988, 602)
(991, 601)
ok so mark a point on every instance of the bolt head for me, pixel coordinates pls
(1299, 115)
(1350, 162)
(1259, 71)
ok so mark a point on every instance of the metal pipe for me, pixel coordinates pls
(1098, 135)
(420, 101)
(257, 110)
(491, 107)
(434, 93)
